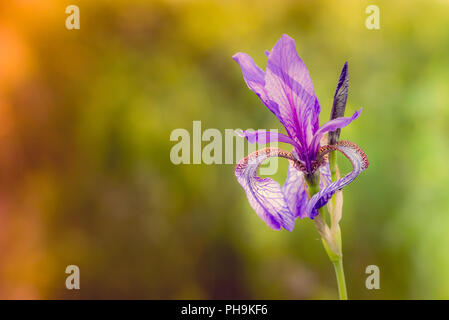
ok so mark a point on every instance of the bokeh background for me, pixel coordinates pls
(85, 171)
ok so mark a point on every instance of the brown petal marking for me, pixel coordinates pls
(324, 150)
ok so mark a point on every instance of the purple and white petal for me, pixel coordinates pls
(331, 126)
(264, 194)
(288, 84)
(264, 137)
(359, 163)
(325, 175)
(294, 191)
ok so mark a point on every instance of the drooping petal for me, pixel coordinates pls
(339, 105)
(294, 191)
(264, 137)
(331, 126)
(255, 79)
(288, 84)
(264, 194)
(359, 163)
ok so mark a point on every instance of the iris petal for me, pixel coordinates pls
(331, 126)
(294, 191)
(359, 163)
(255, 80)
(264, 194)
(325, 175)
(288, 84)
(264, 137)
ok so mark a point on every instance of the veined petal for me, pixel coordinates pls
(359, 163)
(265, 195)
(294, 191)
(331, 126)
(325, 175)
(255, 80)
(264, 137)
(288, 84)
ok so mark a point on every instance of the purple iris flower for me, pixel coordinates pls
(286, 88)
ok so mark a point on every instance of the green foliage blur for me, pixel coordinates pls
(86, 177)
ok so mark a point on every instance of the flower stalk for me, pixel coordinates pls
(338, 266)
(330, 237)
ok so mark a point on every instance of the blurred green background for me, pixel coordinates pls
(86, 177)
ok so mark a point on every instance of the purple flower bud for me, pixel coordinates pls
(339, 106)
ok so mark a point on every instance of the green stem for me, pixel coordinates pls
(338, 264)
(337, 261)
(332, 245)
(333, 164)
(339, 272)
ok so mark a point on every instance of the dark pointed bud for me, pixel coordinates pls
(339, 106)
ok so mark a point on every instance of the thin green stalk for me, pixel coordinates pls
(338, 265)
(331, 241)
(333, 164)
(337, 261)
(339, 272)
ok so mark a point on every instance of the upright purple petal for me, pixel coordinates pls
(288, 84)
(331, 126)
(264, 137)
(255, 79)
(294, 191)
(359, 163)
(265, 195)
